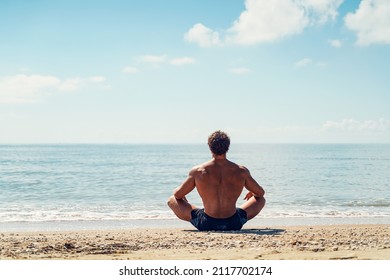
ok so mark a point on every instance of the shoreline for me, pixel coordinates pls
(316, 242)
(174, 223)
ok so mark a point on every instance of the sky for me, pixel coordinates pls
(173, 71)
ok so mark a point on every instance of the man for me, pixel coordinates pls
(219, 183)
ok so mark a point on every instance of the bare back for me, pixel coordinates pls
(219, 184)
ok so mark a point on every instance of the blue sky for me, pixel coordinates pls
(281, 71)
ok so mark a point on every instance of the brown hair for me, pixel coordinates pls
(219, 142)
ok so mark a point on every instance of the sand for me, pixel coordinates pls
(344, 242)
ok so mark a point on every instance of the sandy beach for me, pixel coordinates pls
(294, 243)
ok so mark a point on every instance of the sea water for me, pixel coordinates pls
(111, 186)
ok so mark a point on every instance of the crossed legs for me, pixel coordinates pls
(182, 208)
(253, 206)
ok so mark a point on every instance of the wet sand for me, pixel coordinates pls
(275, 243)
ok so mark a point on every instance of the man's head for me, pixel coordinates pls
(219, 142)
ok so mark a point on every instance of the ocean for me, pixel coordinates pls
(125, 186)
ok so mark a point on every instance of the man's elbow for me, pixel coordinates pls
(176, 194)
(260, 193)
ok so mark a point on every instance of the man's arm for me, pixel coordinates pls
(187, 186)
(251, 185)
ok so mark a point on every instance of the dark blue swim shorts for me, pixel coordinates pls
(203, 222)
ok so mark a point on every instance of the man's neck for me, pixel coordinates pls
(219, 157)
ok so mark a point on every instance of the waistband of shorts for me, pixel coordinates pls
(222, 219)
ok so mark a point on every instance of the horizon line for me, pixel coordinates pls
(191, 143)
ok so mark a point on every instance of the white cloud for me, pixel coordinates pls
(70, 84)
(74, 84)
(97, 79)
(23, 88)
(26, 88)
(304, 62)
(371, 22)
(158, 60)
(239, 70)
(153, 58)
(130, 70)
(359, 126)
(267, 21)
(335, 43)
(321, 11)
(203, 36)
(182, 61)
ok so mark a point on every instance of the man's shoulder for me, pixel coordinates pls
(199, 168)
(239, 169)
(243, 170)
(238, 166)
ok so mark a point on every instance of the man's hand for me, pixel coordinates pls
(248, 195)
